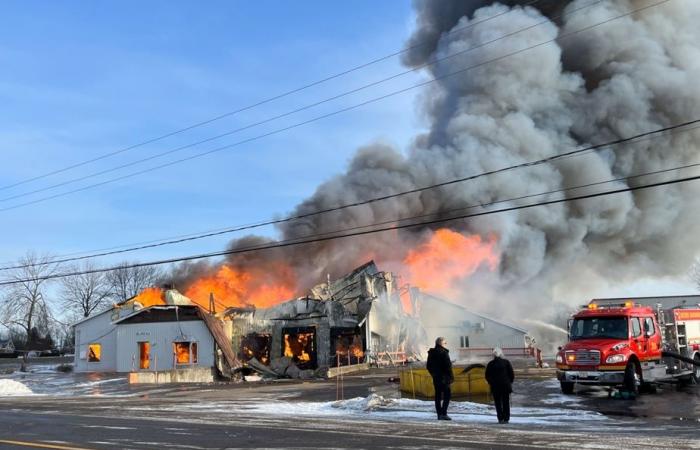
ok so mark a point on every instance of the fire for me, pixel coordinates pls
(258, 286)
(181, 352)
(447, 257)
(405, 297)
(150, 297)
(297, 346)
(355, 349)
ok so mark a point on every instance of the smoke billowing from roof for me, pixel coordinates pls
(631, 75)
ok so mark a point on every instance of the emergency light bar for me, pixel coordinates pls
(593, 305)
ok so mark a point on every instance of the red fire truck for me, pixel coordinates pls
(632, 343)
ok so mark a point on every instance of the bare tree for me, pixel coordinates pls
(86, 292)
(125, 282)
(24, 303)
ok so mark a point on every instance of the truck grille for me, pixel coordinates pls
(583, 357)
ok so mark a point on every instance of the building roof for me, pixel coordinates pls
(168, 313)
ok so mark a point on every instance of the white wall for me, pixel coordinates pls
(161, 336)
(440, 318)
(96, 330)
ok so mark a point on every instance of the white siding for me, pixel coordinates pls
(440, 318)
(96, 330)
(161, 336)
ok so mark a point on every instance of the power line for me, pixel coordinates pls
(324, 116)
(254, 105)
(285, 114)
(578, 152)
(333, 236)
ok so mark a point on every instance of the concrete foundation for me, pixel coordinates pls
(193, 375)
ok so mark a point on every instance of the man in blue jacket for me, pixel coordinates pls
(499, 375)
(440, 368)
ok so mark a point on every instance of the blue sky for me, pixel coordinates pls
(81, 79)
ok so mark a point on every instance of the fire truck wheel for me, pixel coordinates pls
(567, 387)
(696, 369)
(632, 378)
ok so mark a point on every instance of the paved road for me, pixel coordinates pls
(20, 429)
(218, 416)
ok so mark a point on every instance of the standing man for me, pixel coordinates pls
(440, 368)
(499, 375)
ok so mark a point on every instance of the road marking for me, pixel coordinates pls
(40, 445)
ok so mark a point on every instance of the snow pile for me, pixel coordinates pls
(12, 387)
(371, 403)
(378, 407)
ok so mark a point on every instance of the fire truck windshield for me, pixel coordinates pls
(599, 327)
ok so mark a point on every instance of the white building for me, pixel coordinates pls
(129, 338)
(471, 334)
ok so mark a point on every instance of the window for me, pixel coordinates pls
(94, 352)
(181, 352)
(144, 355)
(599, 327)
(636, 327)
(185, 352)
(649, 326)
(464, 341)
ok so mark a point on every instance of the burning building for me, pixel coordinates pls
(362, 318)
(344, 322)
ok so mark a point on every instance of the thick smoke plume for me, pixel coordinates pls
(629, 76)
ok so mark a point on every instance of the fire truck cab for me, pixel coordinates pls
(625, 343)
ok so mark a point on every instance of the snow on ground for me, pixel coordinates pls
(554, 395)
(12, 388)
(46, 380)
(378, 407)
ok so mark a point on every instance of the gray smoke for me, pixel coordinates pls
(632, 75)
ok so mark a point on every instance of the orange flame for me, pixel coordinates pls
(405, 297)
(150, 297)
(447, 257)
(258, 286)
(298, 346)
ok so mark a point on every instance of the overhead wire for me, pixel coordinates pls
(288, 113)
(258, 103)
(341, 234)
(681, 127)
(334, 113)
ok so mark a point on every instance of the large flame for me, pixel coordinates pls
(258, 286)
(447, 257)
(151, 296)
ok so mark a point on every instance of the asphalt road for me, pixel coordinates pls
(54, 429)
(219, 416)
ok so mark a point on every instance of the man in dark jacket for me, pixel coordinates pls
(440, 368)
(499, 375)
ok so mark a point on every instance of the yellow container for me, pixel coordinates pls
(418, 382)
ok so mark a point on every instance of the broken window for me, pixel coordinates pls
(347, 346)
(94, 353)
(144, 355)
(255, 345)
(185, 352)
(182, 352)
(300, 346)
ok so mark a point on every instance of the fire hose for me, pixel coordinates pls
(680, 357)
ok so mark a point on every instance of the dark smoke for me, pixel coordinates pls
(632, 75)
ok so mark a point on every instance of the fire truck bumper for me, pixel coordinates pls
(591, 377)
